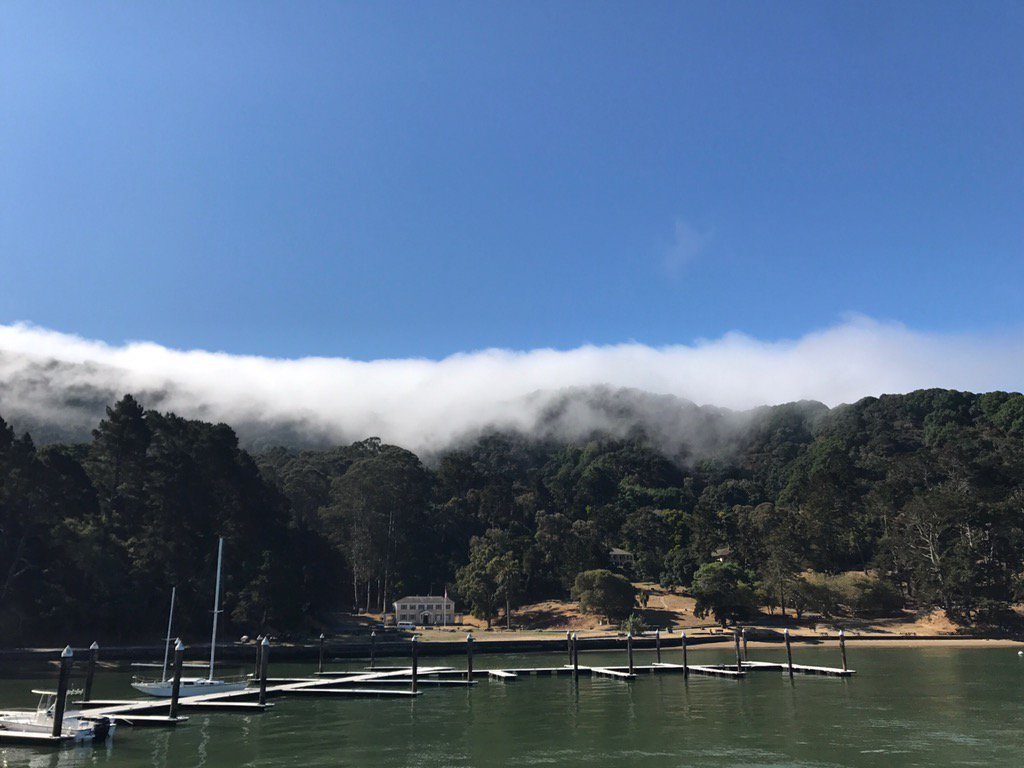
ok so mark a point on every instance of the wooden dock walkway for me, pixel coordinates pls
(237, 701)
(537, 671)
(697, 669)
(28, 738)
(388, 682)
(799, 669)
(617, 673)
(500, 674)
(374, 670)
(715, 671)
(400, 682)
(151, 721)
(396, 681)
(392, 682)
(354, 692)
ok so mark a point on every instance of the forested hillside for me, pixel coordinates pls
(925, 491)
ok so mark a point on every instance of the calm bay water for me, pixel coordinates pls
(905, 707)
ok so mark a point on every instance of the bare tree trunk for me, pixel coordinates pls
(355, 587)
(387, 557)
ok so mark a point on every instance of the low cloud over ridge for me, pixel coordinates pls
(425, 405)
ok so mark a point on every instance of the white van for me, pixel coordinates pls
(407, 625)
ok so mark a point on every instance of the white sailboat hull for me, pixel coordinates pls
(193, 686)
(189, 687)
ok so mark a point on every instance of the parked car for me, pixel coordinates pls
(408, 625)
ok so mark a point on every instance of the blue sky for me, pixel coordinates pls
(392, 180)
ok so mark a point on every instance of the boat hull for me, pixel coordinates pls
(189, 688)
(77, 729)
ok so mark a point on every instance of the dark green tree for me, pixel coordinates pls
(723, 589)
(605, 593)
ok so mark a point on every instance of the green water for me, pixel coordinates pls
(905, 707)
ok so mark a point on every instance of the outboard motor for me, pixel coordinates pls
(101, 729)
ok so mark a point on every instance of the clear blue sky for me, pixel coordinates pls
(377, 180)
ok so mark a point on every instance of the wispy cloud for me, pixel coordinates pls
(426, 404)
(688, 243)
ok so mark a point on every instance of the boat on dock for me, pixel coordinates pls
(24, 724)
(190, 686)
(193, 686)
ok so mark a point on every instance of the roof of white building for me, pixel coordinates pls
(422, 599)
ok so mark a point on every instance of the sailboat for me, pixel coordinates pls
(193, 686)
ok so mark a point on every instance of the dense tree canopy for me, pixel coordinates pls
(605, 593)
(723, 590)
(923, 491)
(94, 537)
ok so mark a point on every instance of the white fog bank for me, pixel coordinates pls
(427, 404)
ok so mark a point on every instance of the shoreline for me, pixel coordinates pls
(880, 641)
(354, 649)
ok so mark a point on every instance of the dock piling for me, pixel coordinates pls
(90, 675)
(373, 649)
(789, 655)
(736, 642)
(469, 656)
(629, 650)
(415, 660)
(686, 667)
(743, 633)
(568, 644)
(264, 664)
(657, 644)
(575, 657)
(62, 691)
(842, 647)
(256, 667)
(320, 660)
(179, 661)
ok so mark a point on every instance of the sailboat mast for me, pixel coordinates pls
(216, 605)
(167, 643)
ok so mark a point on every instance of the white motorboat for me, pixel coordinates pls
(192, 686)
(41, 720)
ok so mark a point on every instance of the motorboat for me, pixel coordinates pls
(40, 721)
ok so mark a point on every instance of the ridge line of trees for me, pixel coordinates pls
(922, 493)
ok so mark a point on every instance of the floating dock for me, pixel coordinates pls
(501, 674)
(798, 669)
(389, 681)
(31, 739)
(397, 682)
(620, 674)
(354, 692)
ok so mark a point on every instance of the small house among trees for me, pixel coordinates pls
(621, 559)
(425, 610)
